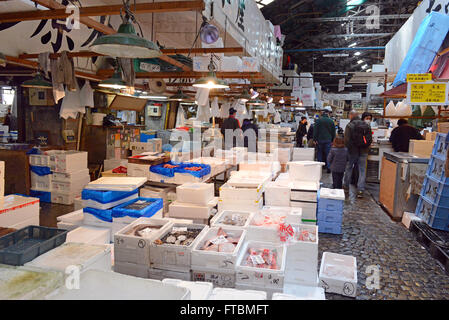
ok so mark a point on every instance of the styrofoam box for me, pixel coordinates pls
(138, 170)
(104, 206)
(277, 194)
(175, 257)
(407, 219)
(196, 193)
(244, 205)
(219, 278)
(74, 186)
(96, 284)
(110, 164)
(131, 269)
(305, 170)
(41, 160)
(117, 183)
(89, 235)
(219, 260)
(64, 197)
(115, 227)
(284, 154)
(66, 226)
(75, 218)
(271, 279)
(17, 209)
(34, 221)
(249, 179)
(135, 249)
(217, 220)
(292, 215)
(303, 154)
(198, 290)
(67, 161)
(308, 209)
(338, 274)
(231, 64)
(256, 166)
(216, 165)
(78, 203)
(234, 294)
(69, 176)
(41, 183)
(160, 274)
(304, 191)
(161, 178)
(83, 255)
(182, 178)
(228, 192)
(302, 292)
(128, 219)
(183, 210)
(334, 194)
(263, 233)
(269, 291)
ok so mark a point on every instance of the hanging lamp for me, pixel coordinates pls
(126, 43)
(180, 96)
(211, 81)
(37, 82)
(282, 101)
(115, 82)
(245, 97)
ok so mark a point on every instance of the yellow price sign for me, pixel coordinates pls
(419, 77)
(431, 93)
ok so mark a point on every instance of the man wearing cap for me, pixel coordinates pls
(231, 123)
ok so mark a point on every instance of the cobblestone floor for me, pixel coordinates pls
(407, 271)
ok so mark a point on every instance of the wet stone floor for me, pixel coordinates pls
(406, 269)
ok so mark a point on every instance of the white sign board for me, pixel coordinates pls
(342, 96)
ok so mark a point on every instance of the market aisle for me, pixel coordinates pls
(407, 271)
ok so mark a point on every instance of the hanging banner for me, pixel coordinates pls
(341, 84)
(429, 93)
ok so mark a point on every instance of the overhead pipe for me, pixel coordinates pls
(334, 49)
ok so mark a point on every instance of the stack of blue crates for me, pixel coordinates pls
(433, 203)
(330, 210)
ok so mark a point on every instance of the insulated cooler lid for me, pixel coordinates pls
(117, 183)
(335, 194)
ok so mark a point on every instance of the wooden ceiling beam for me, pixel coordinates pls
(59, 12)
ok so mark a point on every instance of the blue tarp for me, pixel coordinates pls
(105, 215)
(34, 151)
(41, 171)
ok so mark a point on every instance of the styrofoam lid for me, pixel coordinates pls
(305, 185)
(338, 266)
(117, 183)
(234, 294)
(198, 290)
(335, 194)
(196, 186)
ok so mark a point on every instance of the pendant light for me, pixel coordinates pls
(245, 97)
(180, 96)
(115, 82)
(37, 82)
(282, 101)
(269, 99)
(211, 81)
(254, 93)
(126, 43)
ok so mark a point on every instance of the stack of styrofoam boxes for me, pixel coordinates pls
(17, 212)
(272, 167)
(277, 193)
(330, 210)
(132, 252)
(216, 165)
(198, 290)
(228, 219)
(158, 192)
(195, 201)
(217, 267)
(301, 267)
(70, 175)
(253, 278)
(172, 260)
(41, 184)
(152, 145)
(305, 176)
(303, 154)
(138, 170)
(240, 198)
(89, 235)
(338, 274)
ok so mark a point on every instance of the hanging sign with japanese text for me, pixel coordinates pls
(428, 93)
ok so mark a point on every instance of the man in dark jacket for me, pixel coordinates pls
(230, 125)
(301, 132)
(356, 154)
(401, 135)
(250, 134)
(324, 134)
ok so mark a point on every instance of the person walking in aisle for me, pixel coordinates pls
(230, 125)
(324, 134)
(358, 138)
(337, 159)
(301, 132)
(401, 135)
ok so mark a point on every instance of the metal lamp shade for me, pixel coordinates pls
(210, 82)
(180, 96)
(125, 44)
(245, 97)
(37, 82)
(209, 34)
(115, 82)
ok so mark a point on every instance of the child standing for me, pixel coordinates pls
(338, 156)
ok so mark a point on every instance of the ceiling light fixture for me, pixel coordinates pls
(269, 99)
(357, 53)
(360, 62)
(37, 82)
(180, 96)
(282, 101)
(254, 93)
(211, 81)
(352, 45)
(245, 97)
(115, 82)
(126, 43)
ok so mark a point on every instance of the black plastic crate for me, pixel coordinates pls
(24, 245)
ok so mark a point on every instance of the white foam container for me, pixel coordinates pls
(303, 292)
(218, 277)
(277, 194)
(308, 210)
(198, 290)
(102, 285)
(303, 154)
(244, 205)
(117, 183)
(161, 178)
(217, 220)
(333, 194)
(69, 176)
(227, 192)
(338, 274)
(16, 209)
(283, 154)
(263, 278)
(175, 257)
(67, 161)
(249, 179)
(216, 165)
(182, 178)
(34, 221)
(41, 183)
(304, 191)
(161, 274)
(134, 249)
(138, 170)
(269, 291)
(196, 193)
(41, 160)
(104, 206)
(127, 219)
(292, 215)
(305, 170)
(66, 198)
(131, 269)
(84, 256)
(182, 210)
(227, 294)
(75, 218)
(73, 186)
(89, 235)
(219, 260)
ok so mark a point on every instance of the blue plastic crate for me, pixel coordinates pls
(436, 191)
(329, 216)
(102, 196)
(439, 223)
(138, 208)
(437, 169)
(44, 196)
(333, 228)
(330, 205)
(429, 211)
(440, 147)
(145, 137)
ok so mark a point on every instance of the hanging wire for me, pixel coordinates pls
(129, 15)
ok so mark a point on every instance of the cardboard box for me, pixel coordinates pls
(443, 127)
(421, 148)
(430, 136)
